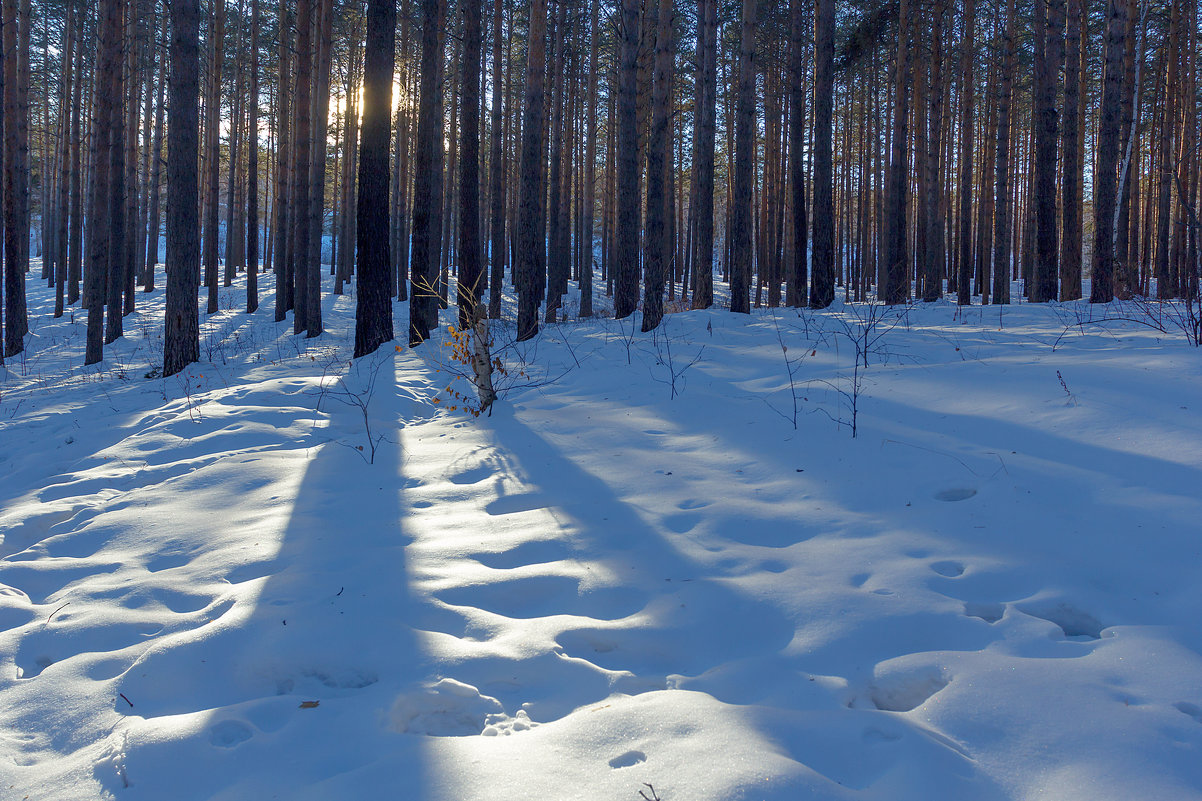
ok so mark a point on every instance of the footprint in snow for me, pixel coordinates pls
(1193, 710)
(627, 759)
(949, 568)
(229, 733)
(955, 494)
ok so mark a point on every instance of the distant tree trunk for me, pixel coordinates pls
(740, 233)
(1049, 23)
(1001, 220)
(252, 170)
(557, 268)
(181, 344)
(302, 158)
(796, 287)
(117, 187)
(1126, 278)
(319, 120)
(75, 234)
(213, 158)
(497, 171)
(1166, 283)
(967, 129)
(658, 245)
(234, 154)
(1102, 286)
(933, 265)
(626, 271)
(14, 270)
(154, 189)
(469, 289)
(896, 272)
(284, 136)
(62, 179)
(423, 297)
(1070, 160)
(373, 310)
(822, 288)
(590, 165)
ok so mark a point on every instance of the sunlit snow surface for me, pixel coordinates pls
(993, 592)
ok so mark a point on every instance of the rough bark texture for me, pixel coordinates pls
(1001, 220)
(626, 270)
(741, 253)
(181, 344)
(822, 285)
(967, 129)
(469, 288)
(658, 245)
(373, 309)
(896, 273)
(1102, 285)
(423, 297)
(1049, 19)
(1070, 160)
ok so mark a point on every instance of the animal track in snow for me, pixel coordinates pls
(1193, 710)
(949, 568)
(905, 690)
(229, 733)
(627, 759)
(990, 613)
(683, 522)
(955, 494)
(1074, 622)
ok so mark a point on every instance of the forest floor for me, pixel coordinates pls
(663, 560)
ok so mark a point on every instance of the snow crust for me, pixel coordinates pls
(637, 571)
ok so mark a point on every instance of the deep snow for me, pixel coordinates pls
(637, 571)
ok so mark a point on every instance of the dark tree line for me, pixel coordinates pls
(634, 149)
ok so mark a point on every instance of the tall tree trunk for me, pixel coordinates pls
(302, 158)
(213, 159)
(282, 205)
(967, 103)
(1102, 286)
(741, 254)
(154, 190)
(117, 186)
(75, 234)
(896, 272)
(373, 309)
(658, 246)
(627, 200)
(822, 285)
(1001, 219)
(530, 244)
(423, 296)
(14, 270)
(933, 265)
(796, 286)
(1050, 20)
(1070, 159)
(1166, 283)
(181, 344)
(469, 292)
(703, 153)
(252, 170)
(319, 120)
(590, 165)
(497, 171)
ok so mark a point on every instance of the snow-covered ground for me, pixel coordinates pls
(658, 562)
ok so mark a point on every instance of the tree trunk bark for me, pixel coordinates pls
(181, 344)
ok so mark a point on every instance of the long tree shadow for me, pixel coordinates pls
(287, 692)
